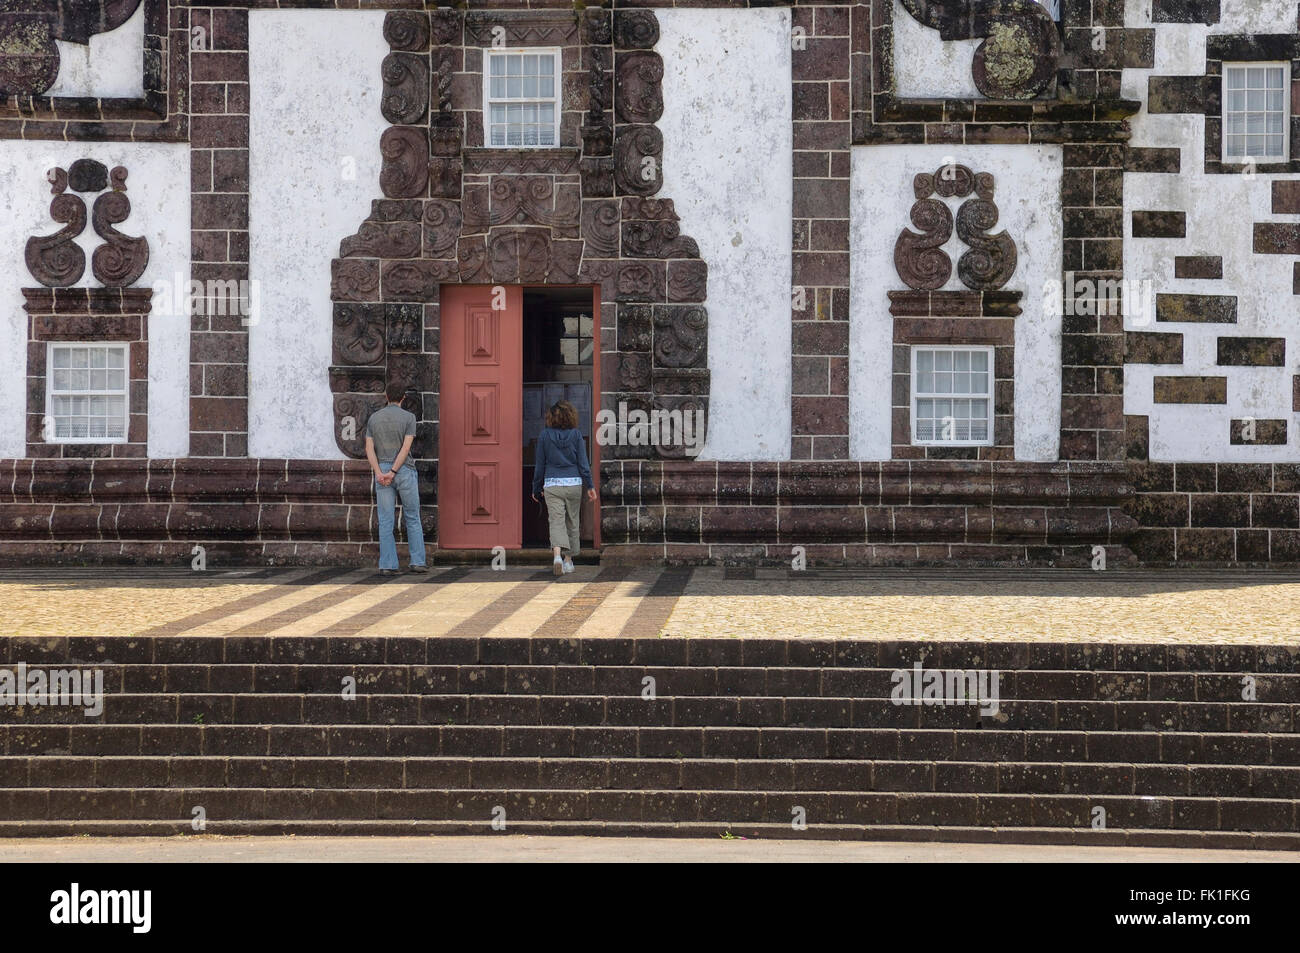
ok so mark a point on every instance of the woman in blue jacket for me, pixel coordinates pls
(560, 473)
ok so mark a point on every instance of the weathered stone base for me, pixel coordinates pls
(893, 513)
(920, 512)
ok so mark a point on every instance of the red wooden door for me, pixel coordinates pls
(480, 456)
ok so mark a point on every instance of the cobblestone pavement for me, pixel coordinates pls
(525, 849)
(895, 604)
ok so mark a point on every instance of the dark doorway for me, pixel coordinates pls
(561, 340)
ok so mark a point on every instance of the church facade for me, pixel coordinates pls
(896, 282)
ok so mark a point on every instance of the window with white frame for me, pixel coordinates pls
(952, 396)
(521, 98)
(87, 392)
(1256, 118)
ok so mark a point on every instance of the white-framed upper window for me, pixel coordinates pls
(952, 396)
(86, 392)
(1256, 114)
(521, 98)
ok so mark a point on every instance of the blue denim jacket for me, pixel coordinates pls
(560, 453)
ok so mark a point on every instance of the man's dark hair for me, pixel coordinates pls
(395, 391)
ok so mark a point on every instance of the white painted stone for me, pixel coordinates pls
(158, 186)
(314, 169)
(1221, 212)
(110, 66)
(727, 168)
(1028, 196)
(927, 67)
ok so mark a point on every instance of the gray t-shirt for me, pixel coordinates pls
(388, 427)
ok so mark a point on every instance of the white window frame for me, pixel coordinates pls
(488, 101)
(914, 396)
(125, 348)
(1285, 66)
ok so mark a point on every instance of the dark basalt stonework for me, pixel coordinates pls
(583, 212)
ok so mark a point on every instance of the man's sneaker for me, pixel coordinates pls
(568, 565)
(557, 566)
(420, 569)
(390, 572)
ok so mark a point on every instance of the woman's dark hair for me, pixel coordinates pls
(562, 416)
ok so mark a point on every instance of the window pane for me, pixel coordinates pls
(1275, 77)
(979, 360)
(943, 360)
(498, 65)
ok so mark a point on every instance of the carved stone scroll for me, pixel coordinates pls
(57, 261)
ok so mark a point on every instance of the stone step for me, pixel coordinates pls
(798, 744)
(809, 652)
(1093, 837)
(790, 682)
(591, 774)
(726, 808)
(686, 712)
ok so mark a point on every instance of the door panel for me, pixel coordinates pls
(480, 457)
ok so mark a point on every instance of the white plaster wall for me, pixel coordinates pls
(110, 66)
(727, 168)
(1221, 212)
(926, 67)
(314, 169)
(158, 185)
(1028, 196)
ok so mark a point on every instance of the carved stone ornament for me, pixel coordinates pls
(1021, 49)
(681, 336)
(919, 258)
(991, 260)
(121, 260)
(638, 86)
(638, 152)
(405, 172)
(29, 56)
(635, 29)
(407, 30)
(57, 261)
(406, 88)
(358, 333)
(351, 413)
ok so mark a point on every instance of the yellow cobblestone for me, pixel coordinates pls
(1236, 607)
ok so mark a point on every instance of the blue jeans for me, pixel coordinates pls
(406, 484)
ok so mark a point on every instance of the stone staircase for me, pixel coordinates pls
(753, 738)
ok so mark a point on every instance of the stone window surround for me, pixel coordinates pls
(996, 332)
(469, 81)
(557, 97)
(1286, 110)
(1249, 48)
(124, 350)
(100, 315)
(987, 395)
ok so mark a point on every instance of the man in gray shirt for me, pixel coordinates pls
(390, 432)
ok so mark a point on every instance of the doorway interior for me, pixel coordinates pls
(560, 343)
